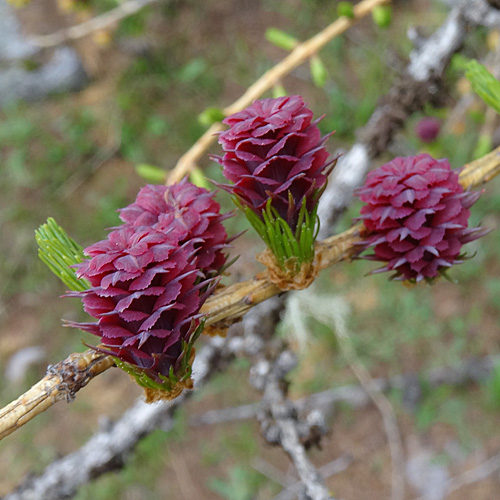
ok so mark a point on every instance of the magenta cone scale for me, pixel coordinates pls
(416, 216)
(274, 150)
(151, 276)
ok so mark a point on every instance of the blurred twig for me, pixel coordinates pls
(383, 405)
(100, 22)
(478, 473)
(334, 467)
(280, 424)
(355, 396)
(301, 53)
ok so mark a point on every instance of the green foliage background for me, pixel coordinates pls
(73, 158)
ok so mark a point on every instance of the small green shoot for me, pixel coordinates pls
(492, 387)
(198, 179)
(281, 39)
(382, 16)
(150, 173)
(279, 91)
(319, 73)
(483, 146)
(345, 9)
(210, 115)
(484, 84)
(59, 252)
(279, 237)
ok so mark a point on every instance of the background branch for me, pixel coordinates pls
(475, 370)
(100, 22)
(287, 424)
(421, 83)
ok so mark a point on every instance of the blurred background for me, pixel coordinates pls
(75, 122)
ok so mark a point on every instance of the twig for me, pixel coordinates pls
(355, 396)
(284, 430)
(334, 467)
(125, 9)
(482, 170)
(62, 381)
(478, 473)
(299, 55)
(274, 474)
(385, 408)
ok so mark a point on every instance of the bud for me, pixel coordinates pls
(416, 217)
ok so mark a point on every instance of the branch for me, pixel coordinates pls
(62, 381)
(108, 449)
(100, 22)
(356, 395)
(285, 428)
(223, 308)
(299, 55)
(478, 473)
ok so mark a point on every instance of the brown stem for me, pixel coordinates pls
(62, 381)
(482, 170)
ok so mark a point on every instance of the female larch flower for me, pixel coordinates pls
(185, 211)
(428, 128)
(275, 157)
(273, 149)
(416, 217)
(149, 279)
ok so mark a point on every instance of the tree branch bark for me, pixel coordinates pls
(99, 22)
